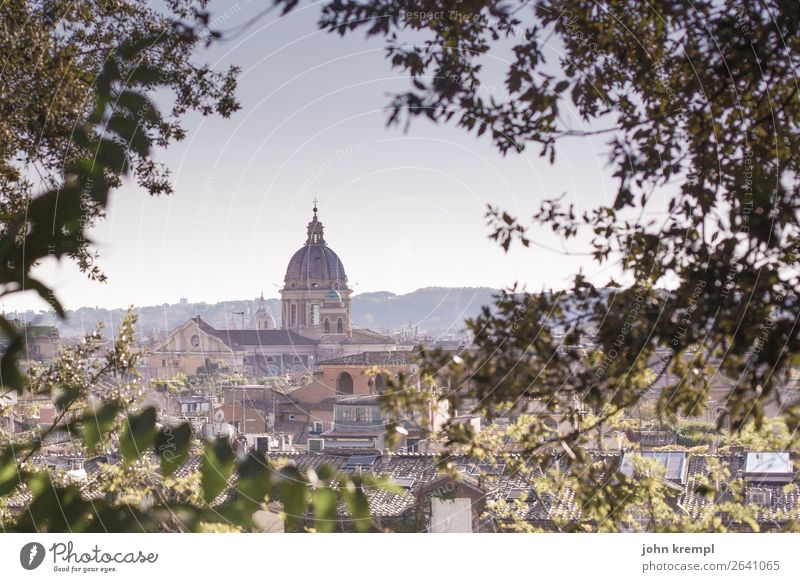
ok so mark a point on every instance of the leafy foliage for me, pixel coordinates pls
(700, 106)
(76, 110)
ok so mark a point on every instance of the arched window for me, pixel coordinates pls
(327, 326)
(344, 385)
(340, 325)
(380, 382)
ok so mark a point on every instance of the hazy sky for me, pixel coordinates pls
(402, 210)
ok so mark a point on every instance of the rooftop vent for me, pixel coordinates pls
(487, 469)
(405, 482)
(517, 494)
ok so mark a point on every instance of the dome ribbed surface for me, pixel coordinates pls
(315, 263)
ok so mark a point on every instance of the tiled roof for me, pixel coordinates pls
(395, 358)
(415, 471)
(784, 497)
(256, 337)
(367, 336)
(383, 503)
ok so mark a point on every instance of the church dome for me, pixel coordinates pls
(315, 265)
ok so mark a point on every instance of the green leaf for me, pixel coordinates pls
(216, 468)
(111, 155)
(139, 105)
(131, 132)
(10, 475)
(325, 472)
(144, 75)
(254, 483)
(69, 395)
(11, 377)
(357, 504)
(130, 50)
(293, 494)
(326, 514)
(53, 508)
(98, 422)
(139, 433)
(172, 446)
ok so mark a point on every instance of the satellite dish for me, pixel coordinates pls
(219, 415)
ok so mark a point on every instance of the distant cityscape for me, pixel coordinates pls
(439, 311)
(300, 379)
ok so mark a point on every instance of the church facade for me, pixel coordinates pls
(315, 325)
(315, 299)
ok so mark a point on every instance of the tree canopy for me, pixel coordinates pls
(79, 117)
(699, 105)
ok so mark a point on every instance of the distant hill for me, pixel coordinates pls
(428, 309)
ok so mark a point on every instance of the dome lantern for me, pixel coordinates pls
(315, 265)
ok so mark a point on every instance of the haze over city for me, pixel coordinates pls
(405, 208)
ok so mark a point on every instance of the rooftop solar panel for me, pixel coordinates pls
(674, 463)
(361, 460)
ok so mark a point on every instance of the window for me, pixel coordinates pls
(759, 497)
(315, 315)
(380, 382)
(327, 325)
(339, 325)
(357, 414)
(293, 317)
(344, 385)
